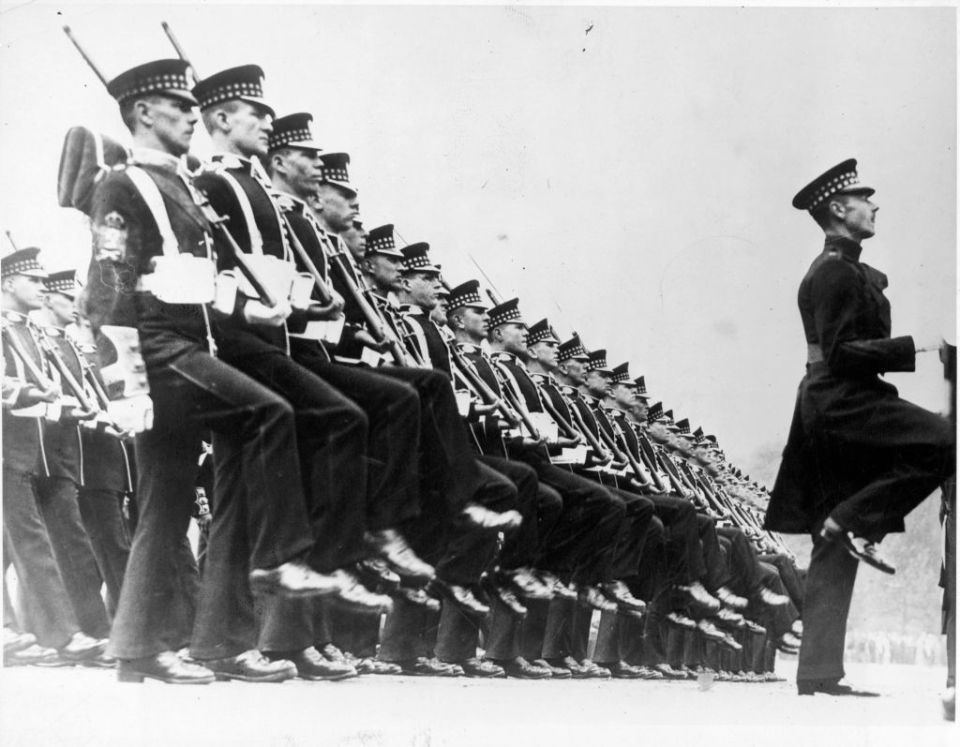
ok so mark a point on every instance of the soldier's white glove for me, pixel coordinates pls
(256, 312)
(132, 414)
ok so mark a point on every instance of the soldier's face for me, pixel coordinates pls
(385, 271)
(859, 215)
(575, 370)
(63, 309)
(439, 313)
(514, 338)
(624, 396)
(172, 121)
(422, 288)
(338, 206)
(476, 322)
(301, 169)
(598, 384)
(546, 353)
(250, 128)
(356, 241)
(25, 292)
(639, 409)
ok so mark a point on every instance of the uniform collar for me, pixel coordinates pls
(504, 356)
(469, 347)
(15, 317)
(233, 161)
(153, 157)
(411, 309)
(847, 248)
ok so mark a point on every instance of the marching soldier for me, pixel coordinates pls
(108, 460)
(858, 458)
(332, 432)
(152, 270)
(31, 398)
(62, 472)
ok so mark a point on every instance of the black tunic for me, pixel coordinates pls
(850, 430)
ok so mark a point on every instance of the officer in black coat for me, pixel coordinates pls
(858, 458)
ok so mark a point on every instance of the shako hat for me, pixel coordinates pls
(293, 131)
(244, 83)
(380, 240)
(621, 375)
(641, 387)
(335, 171)
(466, 294)
(655, 412)
(597, 361)
(507, 312)
(23, 262)
(416, 258)
(63, 282)
(572, 349)
(167, 77)
(541, 332)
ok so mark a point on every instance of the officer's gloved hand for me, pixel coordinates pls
(132, 414)
(255, 312)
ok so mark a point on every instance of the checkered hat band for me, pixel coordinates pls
(594, 364)
(155, 83)
(413, 263)
(510, 315)
(64, 285)
(466, 299)
(572, 352)
(385, 244)
(832, 187)
(230, 92)
(336, 174)
(24, 265)
(538, 336)
(621, 378)
(279, 139)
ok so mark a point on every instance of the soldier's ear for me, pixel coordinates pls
(837, 208)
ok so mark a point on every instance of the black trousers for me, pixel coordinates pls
(715, 571)
(101, 511)
(826, 605)
(684, 554)
(438, 456)
(193, 392)
(582, 543)
(26, 544)
(742, 561)
(777, 620)
(460, 554)
(520, 547)
(57, 501)
(790, 575)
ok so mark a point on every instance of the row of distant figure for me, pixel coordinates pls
(927, 649)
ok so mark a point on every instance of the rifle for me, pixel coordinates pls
(34, 371)
(90, 409)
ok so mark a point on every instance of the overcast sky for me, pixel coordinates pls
(626, 171)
